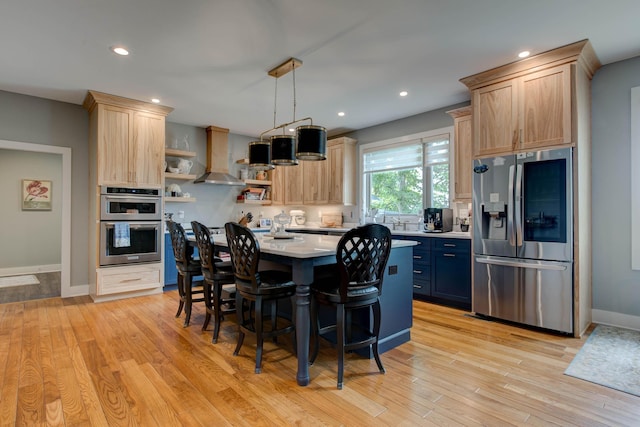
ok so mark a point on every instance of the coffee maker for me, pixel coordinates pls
(438, 220)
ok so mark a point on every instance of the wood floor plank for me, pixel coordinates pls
(73, 362)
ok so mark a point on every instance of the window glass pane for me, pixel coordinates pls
(397, 192)
(440, 186)
(406, 177)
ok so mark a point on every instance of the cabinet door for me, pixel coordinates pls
(451, 277)
(293, 184)
(147, 150)
(546, 108)
(495, 119)
(315, 182)
(114, 133)
(277, 185)
(336, 173)
(464, 160)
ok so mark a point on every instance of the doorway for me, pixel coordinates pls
(50, 281)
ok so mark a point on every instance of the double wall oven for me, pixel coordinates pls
(131, 228)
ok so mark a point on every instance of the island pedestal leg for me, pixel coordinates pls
(302, 333)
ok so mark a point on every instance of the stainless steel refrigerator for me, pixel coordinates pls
(523, 238)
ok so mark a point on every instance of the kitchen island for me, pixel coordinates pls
(302, 253)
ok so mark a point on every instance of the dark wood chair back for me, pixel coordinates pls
(182, 252)
(362, 256)
(206, 249)
(245, 253)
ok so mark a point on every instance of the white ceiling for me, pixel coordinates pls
(209, 59)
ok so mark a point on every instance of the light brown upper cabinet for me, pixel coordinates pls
(126, 140)
(463, 153)
(330, 181)
(530, 104)
(316, 182)
(341, 158)
(287, 185)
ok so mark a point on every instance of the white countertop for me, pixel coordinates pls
(449, 234)
(302, 245)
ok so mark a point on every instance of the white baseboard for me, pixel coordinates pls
(30, 269)
(75, 291)
(615, 319)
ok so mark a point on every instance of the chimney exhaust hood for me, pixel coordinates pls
(217, 171)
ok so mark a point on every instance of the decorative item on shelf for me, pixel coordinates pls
(174, 190)
(309, 143)
(184, 166)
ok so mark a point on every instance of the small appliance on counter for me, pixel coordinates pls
(438, 220)
(298, 217)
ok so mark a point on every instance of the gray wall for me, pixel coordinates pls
(41, 121)
(616, 288)
(29, 238)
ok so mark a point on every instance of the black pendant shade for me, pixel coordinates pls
(283, 150)
(260, 155)
(312, 142)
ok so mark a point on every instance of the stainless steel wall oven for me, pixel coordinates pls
(131, 229)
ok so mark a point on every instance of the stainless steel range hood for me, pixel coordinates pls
(217, 171)
(219, 178)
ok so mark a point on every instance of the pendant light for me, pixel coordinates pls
(308, 143)
(312, 142)
(260, 155)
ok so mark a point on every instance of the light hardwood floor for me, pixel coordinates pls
(73, 362)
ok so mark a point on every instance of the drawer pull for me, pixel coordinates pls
(450, 255)
(417, 257)
(131, 280)
(417, 286)
(417, 271)
(449, 245)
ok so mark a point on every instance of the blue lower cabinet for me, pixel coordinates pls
(451, 272)
(441, 270)
(170, 271)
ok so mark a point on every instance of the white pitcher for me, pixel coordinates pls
(184, 166)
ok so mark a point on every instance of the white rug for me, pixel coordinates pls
(29, 279)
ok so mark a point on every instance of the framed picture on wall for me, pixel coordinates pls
(36, 195)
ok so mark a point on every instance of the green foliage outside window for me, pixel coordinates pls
(397, 191)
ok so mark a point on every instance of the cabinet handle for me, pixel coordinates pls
(417, 286)
(449, 245)
(417, 257)
(417, 271)
(521, 133)
(450, 255)
(130, 280)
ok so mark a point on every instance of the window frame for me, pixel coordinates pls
(410, 139)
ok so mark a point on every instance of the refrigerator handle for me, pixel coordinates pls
(510, 231)
(520, 264)
(518, 205)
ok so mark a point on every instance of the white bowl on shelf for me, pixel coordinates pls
(173, 170)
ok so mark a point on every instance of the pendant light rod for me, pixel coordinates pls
(284, 125)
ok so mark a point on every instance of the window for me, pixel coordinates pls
(405, 177)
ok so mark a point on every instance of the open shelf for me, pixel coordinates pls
(170, 199)
(178, 153)
(256, 182)
(254, 202)
(183, 176)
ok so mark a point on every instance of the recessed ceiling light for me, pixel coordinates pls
(120, 50)
(341, 113)
(524, 54)
(155, 100)
(404, 93)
